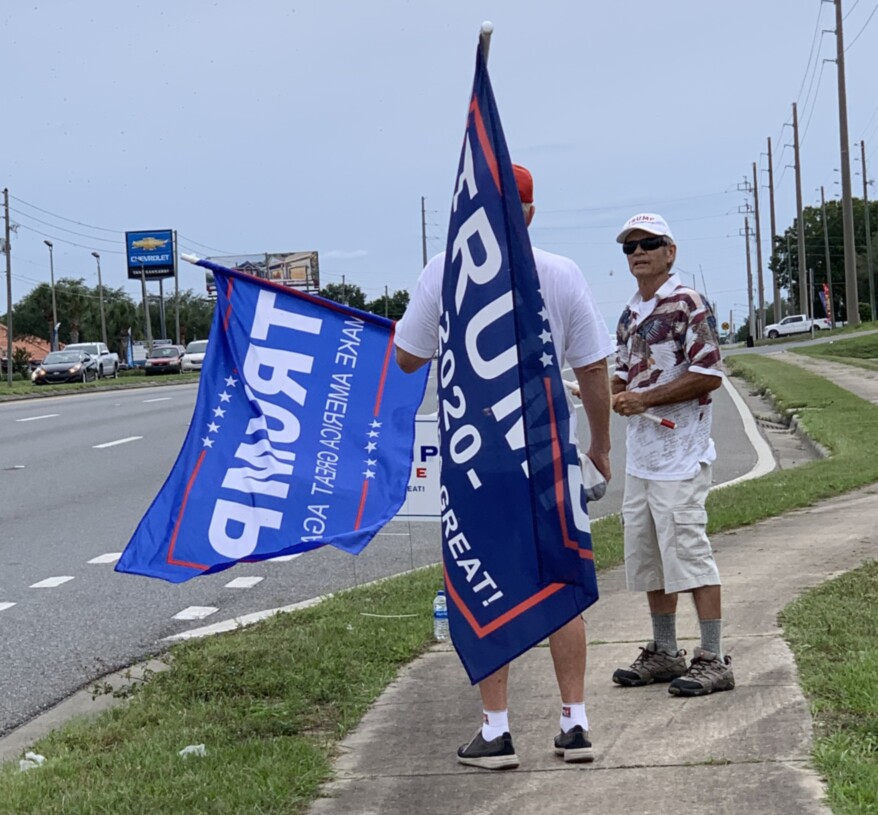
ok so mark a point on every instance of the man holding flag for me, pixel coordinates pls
(580, 339)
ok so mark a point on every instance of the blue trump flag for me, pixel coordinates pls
(302, 436)
(515, 530)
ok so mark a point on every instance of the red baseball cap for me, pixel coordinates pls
(525, 183)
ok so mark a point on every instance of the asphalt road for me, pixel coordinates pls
(76, 475)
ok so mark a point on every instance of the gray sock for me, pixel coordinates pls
(711, 636)
(664, 632)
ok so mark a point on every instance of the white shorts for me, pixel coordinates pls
(666, 543)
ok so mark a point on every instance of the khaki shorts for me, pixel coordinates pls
(666, 543)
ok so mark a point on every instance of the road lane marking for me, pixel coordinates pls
(195, 613)
(159, 399)
(4, 606)
(244, 582)
(37, 418)
(114, 443)
(51, 582)
(110, 557)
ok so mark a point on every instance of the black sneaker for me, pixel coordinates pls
(574, 745)
(497, 754)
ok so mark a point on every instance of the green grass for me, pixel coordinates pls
(127, 379)
(832, 629)
(861, 352)
(270, 702)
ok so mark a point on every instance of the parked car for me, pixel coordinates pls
(166, 359)
(66, 366)
(193, 359)
(107, 360)
(795, 324)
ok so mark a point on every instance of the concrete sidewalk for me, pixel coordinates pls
(746, 750)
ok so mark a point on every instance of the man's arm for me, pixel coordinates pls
(688, 386)
(409, 363)
(594, 390)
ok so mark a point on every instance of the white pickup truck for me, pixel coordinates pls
(108, 361)
(795, 324)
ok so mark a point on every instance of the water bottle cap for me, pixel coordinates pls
(440, 592)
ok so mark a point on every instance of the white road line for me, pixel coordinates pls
(244, 582)
(110, 557)
(284, 558)
(114, 443)
(159, 399)
(51, 582)
(196, 613)
(765, 462)
(4, 606)
(37, 418)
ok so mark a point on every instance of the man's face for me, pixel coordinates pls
(649, 264)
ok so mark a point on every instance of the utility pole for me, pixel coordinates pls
(868, 229)
(176, 294)
(344, 291)
(774, 275)
(760, 319)
(423, 231)
(53, 340)
(750, 310)
(387, 298)
(851, 297)
(97, 257)
(830, 309)
(803, 285)
(8, 252)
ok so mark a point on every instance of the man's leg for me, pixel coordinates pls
(491, 748)
(568, 649)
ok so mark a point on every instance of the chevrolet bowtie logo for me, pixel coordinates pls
(149, 244)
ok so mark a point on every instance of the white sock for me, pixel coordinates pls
(572, 715)
(495, 723)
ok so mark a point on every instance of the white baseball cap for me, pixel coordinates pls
(648, 222)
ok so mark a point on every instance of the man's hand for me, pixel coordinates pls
(629, 403)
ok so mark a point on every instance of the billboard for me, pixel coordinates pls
(150, 254)
(296, 270)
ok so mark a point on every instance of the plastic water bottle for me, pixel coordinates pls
(440, 617)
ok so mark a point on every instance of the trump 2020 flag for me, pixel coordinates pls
(302, 436)
(515, 531)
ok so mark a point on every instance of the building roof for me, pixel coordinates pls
(36, 347)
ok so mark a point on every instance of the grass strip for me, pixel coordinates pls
(270, 702)
(831, 630)
(860, 352)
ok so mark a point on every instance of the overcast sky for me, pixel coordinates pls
(275, 126)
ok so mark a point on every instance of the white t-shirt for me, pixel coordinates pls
(579, 333)
(660, 340)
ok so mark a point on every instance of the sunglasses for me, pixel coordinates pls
(649, 244)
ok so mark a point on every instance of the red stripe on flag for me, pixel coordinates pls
(362, 506)
(228, 313)
(485, 142)
(558, 463)
(381, 382)
(482, 631)
(189, 484)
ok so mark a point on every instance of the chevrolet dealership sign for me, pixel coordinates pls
(150, 254)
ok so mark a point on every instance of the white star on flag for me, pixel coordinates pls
(375, 423)
(370, 446)
(546, 359)
(231, 382)
(543, 313)
(545, 336)
(225, 397)
(371, 462)
(213, 428)
(369, 474)
(207, 442)
(373, 433)
(219, 412)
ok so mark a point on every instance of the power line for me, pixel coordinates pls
(811, 53)
(62, 218)
(814, 103)
(117, 241)
(851, 9)
(70, 243)
(851, 45)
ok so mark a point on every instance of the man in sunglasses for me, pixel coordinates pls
(667, 365)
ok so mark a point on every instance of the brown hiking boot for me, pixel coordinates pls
(706, 674)
(652, 666)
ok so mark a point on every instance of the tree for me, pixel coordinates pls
(786, 263)
(345, 293)
(393, 307)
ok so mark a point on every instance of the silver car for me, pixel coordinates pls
(194, 356)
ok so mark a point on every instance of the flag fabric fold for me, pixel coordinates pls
(301, 436)
(516, 545)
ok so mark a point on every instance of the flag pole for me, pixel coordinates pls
(485, 38)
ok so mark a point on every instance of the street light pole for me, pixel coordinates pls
(53, 339)
(97, 257)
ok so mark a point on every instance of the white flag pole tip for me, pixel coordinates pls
(487, 27)
(485, 38)
(190, 258)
